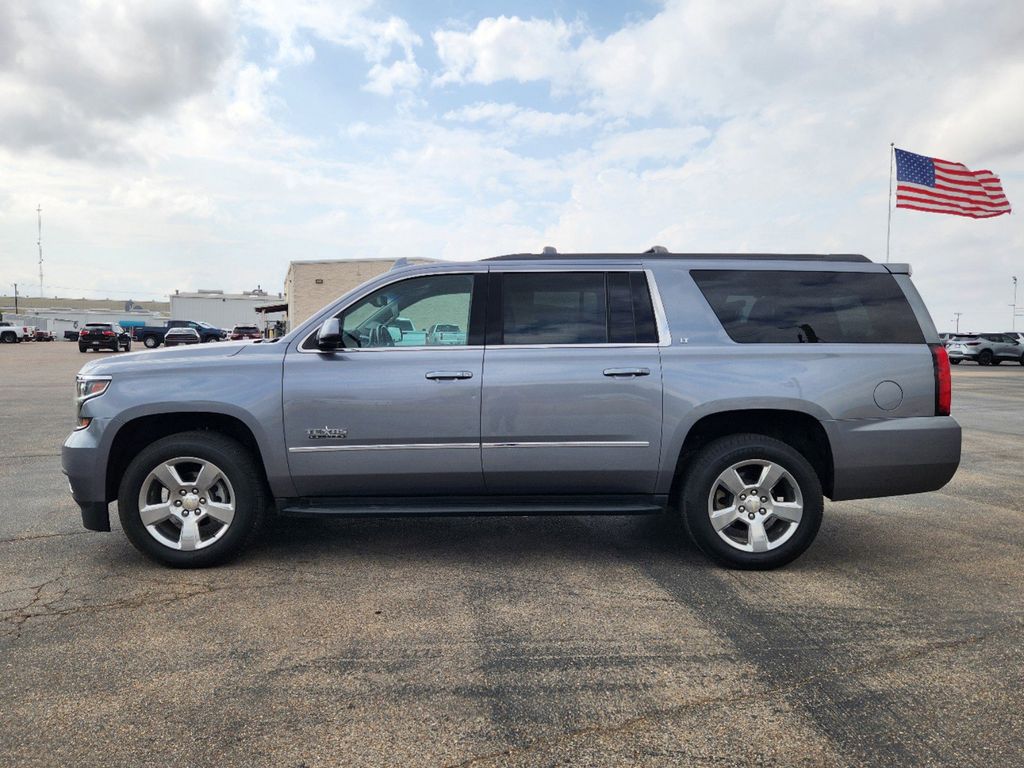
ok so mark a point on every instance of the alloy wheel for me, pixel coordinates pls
(186, 503)
(755, 505)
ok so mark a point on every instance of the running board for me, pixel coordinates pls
(473, 506)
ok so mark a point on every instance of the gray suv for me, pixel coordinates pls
(734, 391)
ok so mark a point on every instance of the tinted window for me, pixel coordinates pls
(646, 330)
(769, 307)
(554, 308)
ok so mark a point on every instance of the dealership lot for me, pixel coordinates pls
(514, 641)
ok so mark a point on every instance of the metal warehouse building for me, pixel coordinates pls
(223, 310)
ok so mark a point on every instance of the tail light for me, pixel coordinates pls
(108, 333)
(82, 332)
(943, 380)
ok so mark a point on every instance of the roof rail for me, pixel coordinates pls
(657, 249)
(400, 262)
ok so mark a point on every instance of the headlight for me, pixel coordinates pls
(90, 386)
(86, 388)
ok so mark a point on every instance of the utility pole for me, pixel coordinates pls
(39, 242)
(958, 321)
(15, 298)
(1014, 305)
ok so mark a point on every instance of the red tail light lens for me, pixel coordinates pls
(943, 380)
(108, 333)
(82, 332)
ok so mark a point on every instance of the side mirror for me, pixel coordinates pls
(328, 338)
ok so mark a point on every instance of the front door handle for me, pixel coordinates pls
(627, 372)
(448, 375)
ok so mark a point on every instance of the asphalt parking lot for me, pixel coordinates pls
(896, 640)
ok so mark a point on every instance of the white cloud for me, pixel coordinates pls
(521, 119)
(506, 48)
(386, 79)
(347, 24)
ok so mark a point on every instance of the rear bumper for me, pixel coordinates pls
(958, 355)
(892, 457)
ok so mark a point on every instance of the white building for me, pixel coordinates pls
(222, 310)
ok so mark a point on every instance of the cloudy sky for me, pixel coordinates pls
(201, 143)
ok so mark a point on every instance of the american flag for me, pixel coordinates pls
(939, 186)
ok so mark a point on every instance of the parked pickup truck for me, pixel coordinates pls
(153, 335)
(732, 391)
(11, 333)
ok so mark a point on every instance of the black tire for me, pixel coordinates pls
(985, 357)
(128, 346)
(702, 475)
(996, 361)
(1021, 361)
(150, 342)
(954, 362)
(9, 338)
(251, 497)
(82, 349)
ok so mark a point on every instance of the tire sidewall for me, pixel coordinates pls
(233, 459)
(723, 453)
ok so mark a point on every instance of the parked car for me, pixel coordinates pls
(734, 391)
(29, 331)
(41, 335)
(985, 348)
(99, 336)
(240, 332)
(153, 335)
(177, 336)
(11, 333)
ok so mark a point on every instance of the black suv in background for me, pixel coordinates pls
(104, 336)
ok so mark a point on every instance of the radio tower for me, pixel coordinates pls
(39, 242)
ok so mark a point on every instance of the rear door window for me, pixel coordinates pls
(554, 308)
(785, 307)
(567, 308)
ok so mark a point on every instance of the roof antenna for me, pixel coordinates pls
(657, 249)
(550, 250)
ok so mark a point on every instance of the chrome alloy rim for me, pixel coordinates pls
(755, 505)
(186, 503)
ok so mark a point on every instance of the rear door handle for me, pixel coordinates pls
(627, 372)
(448, 375)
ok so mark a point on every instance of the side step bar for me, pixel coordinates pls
(474, 506)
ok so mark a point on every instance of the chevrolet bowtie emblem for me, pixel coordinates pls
(326, 433)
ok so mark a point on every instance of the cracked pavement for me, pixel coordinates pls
(895, 641)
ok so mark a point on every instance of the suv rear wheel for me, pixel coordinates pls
(751, 502)
(192, 500)
(985, 357)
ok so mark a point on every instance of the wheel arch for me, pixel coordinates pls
(801, 430)
(140, 431)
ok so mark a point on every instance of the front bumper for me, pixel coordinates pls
(892, 457)
(83, 463)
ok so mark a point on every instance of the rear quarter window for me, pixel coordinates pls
(786, 307)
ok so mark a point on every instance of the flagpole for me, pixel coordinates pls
(888, 226)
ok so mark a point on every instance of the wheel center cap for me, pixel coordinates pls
(190, 502)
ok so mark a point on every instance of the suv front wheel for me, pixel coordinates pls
(192, 500)
(751, 502)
